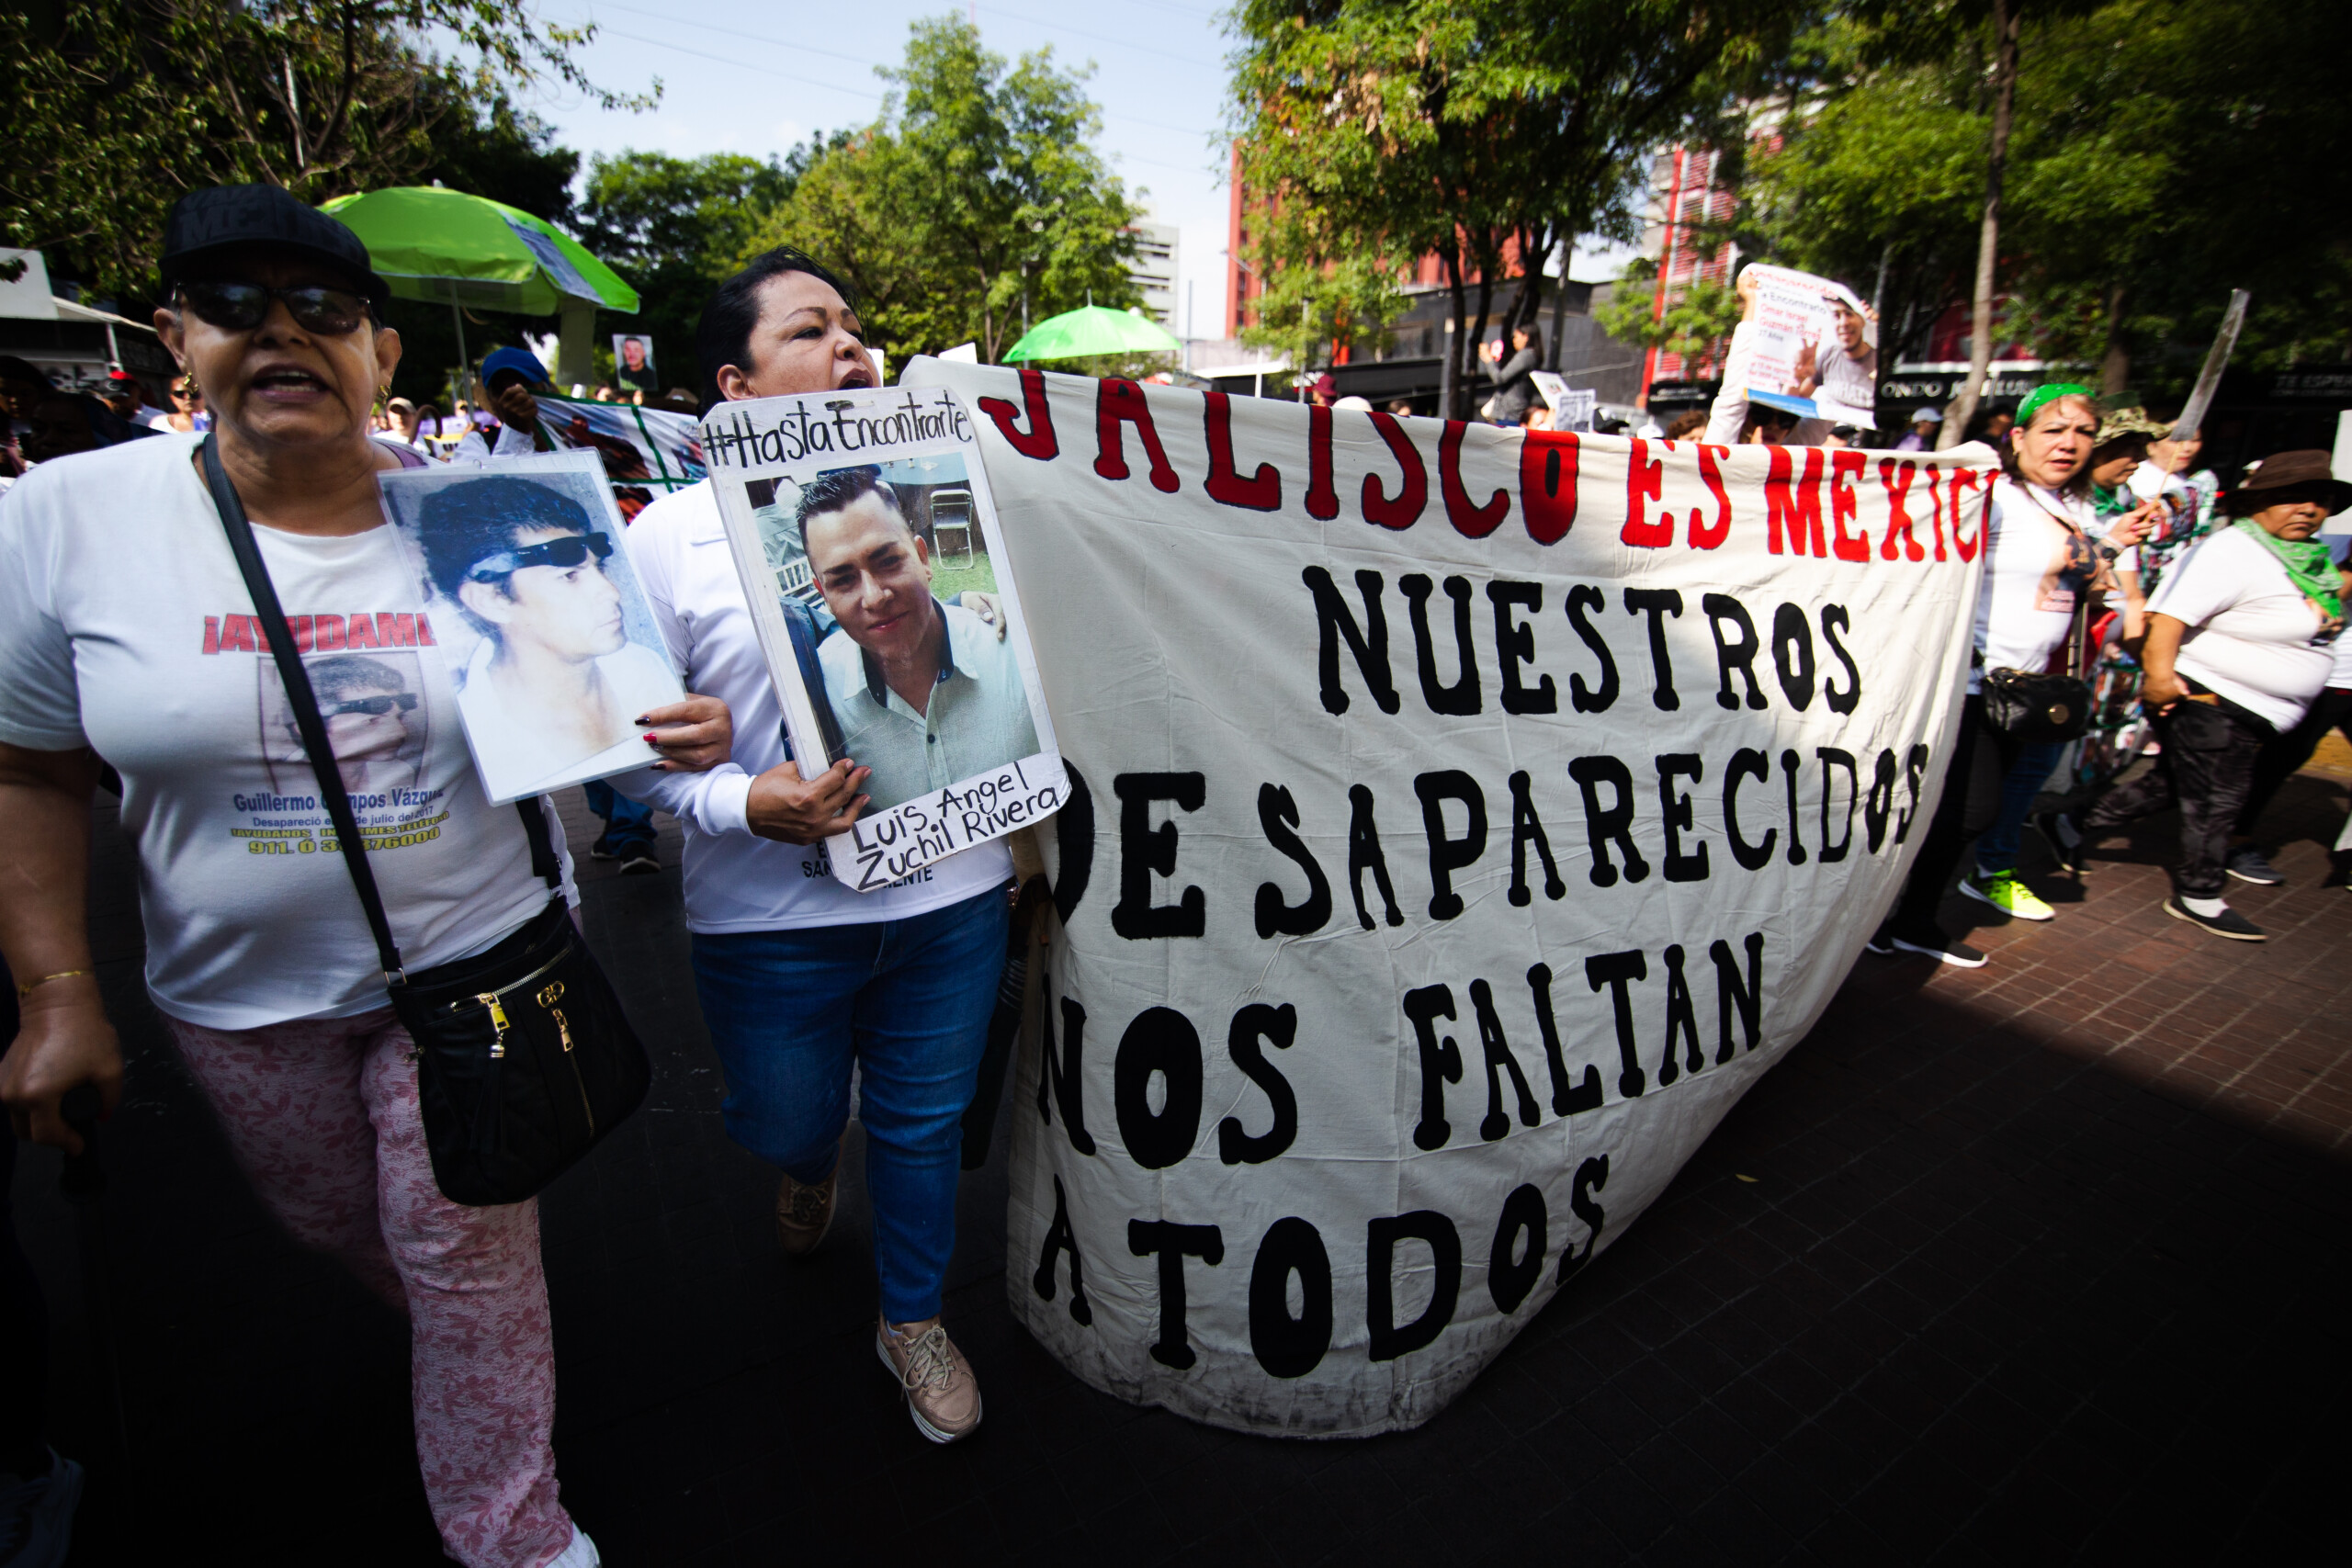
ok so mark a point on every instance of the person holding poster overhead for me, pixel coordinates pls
(800, 978)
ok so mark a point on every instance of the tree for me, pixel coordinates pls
(973, 205)
(1488, 132)
(673, 228)
(1701, 317)
(117, 107)
(2159, 156)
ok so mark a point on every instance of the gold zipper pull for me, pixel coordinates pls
(498, 1021)
(562, 1028)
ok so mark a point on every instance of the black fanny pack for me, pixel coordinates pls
(524, 1060)
(2042, 708)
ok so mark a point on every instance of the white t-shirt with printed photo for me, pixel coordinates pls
(2253, 637)
(125, 625)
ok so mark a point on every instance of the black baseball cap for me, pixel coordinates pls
(203, 224)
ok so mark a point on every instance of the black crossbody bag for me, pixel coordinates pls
(524, 1060)
(2035, 705)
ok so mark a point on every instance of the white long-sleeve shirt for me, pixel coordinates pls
(512, 443)
(736, 881)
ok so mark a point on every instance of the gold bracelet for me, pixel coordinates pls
(25, 988)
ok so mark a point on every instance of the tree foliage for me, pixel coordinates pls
(117, 107)
(674, 227)
(974, 204)
(1488, 132)
(2162, 156)
(1694, 322)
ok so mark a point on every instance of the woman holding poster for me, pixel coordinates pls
(801, 979)
(124, 632)
(2040, 557)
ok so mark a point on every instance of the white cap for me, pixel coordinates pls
(1928, 417)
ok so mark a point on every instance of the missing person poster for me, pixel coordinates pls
(1462, 820)
(1812, 347)
(647, 452)
(862, 527)
(536, 620)
(633, 368)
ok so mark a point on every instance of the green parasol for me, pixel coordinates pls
(451, 248)
(1093, 329)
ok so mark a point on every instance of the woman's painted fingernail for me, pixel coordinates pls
(651, 739)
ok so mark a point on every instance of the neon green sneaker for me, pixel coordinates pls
(2006, 893)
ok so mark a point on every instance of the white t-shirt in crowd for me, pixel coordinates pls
(735, 880)
(2341, 547)
(2034, 564)
(125, 625)
(2252, 637)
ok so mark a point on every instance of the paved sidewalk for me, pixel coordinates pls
(2043, 1262)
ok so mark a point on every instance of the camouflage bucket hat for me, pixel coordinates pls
(2117, 424)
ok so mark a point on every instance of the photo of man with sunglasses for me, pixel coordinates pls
(374, 720)
(554, 682)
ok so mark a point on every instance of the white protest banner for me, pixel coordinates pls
(1811, 348)
(1461, 821)
(858, 521)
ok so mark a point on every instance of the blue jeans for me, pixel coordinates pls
(908, 1002)
(1996, 847)
(626, 820)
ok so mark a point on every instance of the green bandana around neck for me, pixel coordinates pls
(2308, 564)
(2047, 393)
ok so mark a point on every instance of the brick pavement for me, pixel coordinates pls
(2042, 1262)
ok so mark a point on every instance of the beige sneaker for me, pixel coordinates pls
(804, 1212)
(942, 1393)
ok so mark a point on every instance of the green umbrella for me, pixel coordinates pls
(1093, 329)
(430, 242)
(446, 247)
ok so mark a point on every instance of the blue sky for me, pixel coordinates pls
(753, 78)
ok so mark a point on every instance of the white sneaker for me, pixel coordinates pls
(581, 1553)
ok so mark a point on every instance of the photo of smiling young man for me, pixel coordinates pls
(925, 692)
(553, 690)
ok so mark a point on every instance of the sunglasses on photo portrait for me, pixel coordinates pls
(567, 552)
(242, 307)
(404, 701)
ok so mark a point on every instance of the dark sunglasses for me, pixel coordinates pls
(240, 307)
(568, 551)
(404, 701)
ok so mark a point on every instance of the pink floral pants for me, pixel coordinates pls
(324, 1117)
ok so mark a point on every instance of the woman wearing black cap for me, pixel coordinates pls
(135, 641)
(2240, 641)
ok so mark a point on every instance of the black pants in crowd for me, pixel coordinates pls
(2207, 768)
(1981, 757)
(24, 1311)
(2332, 709)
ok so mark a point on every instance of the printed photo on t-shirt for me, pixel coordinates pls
(377, 721)
(537, 619)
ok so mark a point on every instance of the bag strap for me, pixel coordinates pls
(305, 704)
(316, 748)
